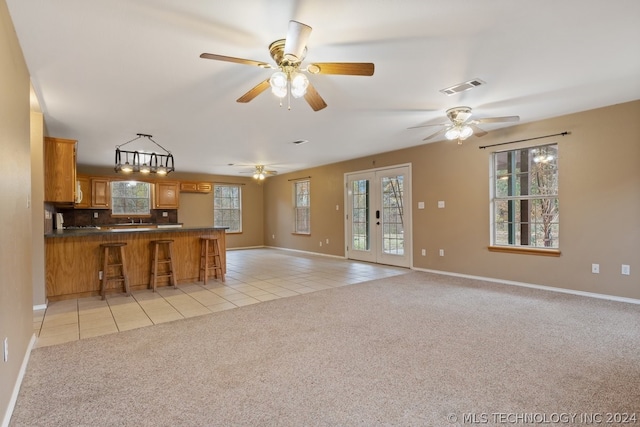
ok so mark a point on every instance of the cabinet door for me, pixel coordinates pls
(100, 193)
(83, 196)
(59, 170)
(166, 195)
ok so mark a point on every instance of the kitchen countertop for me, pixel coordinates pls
(79, 232)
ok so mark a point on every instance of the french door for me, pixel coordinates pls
(378, 215)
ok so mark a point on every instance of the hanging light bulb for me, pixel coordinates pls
(278, 82)
(145, 168)
(127, 168)
(299, 84)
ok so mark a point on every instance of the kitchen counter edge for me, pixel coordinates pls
(100, 232)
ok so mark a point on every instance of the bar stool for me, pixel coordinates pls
(113, 258)
(210, 258)
(167, 261)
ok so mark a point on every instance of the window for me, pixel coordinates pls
(130, 198)
(227, 207)
(525, 198)
(301, 206)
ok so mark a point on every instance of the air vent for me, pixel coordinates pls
(461, 87)
(300, 141)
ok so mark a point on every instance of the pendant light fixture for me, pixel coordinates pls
(143, 162)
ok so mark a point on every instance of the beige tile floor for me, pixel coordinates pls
(253, 276)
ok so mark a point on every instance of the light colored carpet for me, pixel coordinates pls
(412, 350)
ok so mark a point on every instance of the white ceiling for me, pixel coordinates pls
(105, 70)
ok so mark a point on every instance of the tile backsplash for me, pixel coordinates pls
(97, 217)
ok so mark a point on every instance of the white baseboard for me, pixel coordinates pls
(534, 286)
(240, 248)
(39, 307)
(16, 387)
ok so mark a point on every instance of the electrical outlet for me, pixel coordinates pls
(165, 214)
(420, 205)
(6, 349)
(327, 241)
(273, 236)
(337, 207)
(424, 252)
(440, 204)
(320, 242)
(626, 269)
(595, 268)
(441, 252)
(95, 214)
(99, 275)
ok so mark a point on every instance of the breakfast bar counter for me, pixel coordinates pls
(72, 257)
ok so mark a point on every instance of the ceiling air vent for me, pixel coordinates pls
(461, 87)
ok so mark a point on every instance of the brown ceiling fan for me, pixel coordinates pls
(461, 126)
(290, 79)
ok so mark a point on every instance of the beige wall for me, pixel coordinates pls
(16, 293)
(599, 204)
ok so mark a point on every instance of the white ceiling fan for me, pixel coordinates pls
(290, 79)
(461, 126)
(260, 172)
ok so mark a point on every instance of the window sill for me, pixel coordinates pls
(301, 234)
(525, 251)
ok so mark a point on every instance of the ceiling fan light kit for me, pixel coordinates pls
(290, 79)
(461, 126)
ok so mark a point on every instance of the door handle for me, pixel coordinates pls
(377, 214)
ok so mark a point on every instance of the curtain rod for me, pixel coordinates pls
(229, 183)
(298, 179)
(528, 139)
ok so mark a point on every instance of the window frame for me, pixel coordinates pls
(238, 209)
(114, 203)
(298, 209)
(536, 196)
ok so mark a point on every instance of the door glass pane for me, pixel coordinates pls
(392, 215)
(360, 216)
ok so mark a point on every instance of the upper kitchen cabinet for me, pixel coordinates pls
(195, 187)
(60, 170)
(166, 195)
(83, 193)
(100, 193)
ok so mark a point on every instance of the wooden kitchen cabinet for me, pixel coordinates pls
(166, 195)
(100, 193)
(60, 170)
(195, 187)
(83, 195)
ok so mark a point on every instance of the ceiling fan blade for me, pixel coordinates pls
(429, 125)
(477, 131)
(498, 119)
(236, 60)
(254, 91)
(314, 99)
(296, 41)
(343, 68)
(434, 134)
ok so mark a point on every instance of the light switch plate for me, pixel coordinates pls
(420, 205)
(440, 204)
